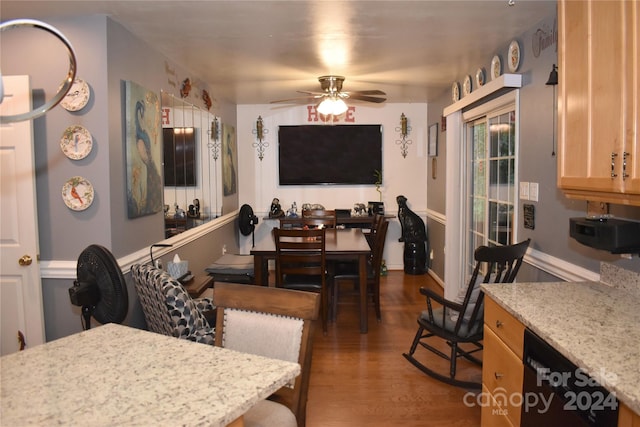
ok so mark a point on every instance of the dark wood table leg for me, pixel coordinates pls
(362, 267)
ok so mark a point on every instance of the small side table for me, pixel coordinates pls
(198, 285)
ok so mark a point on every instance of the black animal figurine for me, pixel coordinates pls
(276, 210)
(414, 236)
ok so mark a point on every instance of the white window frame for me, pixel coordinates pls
(456, 230)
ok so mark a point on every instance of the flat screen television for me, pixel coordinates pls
(329, 154)
(179, 157)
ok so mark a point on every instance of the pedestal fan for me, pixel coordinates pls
(100, 288)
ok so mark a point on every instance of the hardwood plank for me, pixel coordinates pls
(363, 379)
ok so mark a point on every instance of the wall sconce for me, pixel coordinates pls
(553, 81)
(260, 132)
(214, 133)
(404, 130)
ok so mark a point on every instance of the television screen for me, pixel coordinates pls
(329, 154)
(179, 157)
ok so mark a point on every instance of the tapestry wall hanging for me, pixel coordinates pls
(229, 160)
(143, 151)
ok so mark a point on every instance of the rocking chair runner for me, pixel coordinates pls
(462, 322)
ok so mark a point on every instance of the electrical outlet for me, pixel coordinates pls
(524, 191)
(533, 191)
(224, 249)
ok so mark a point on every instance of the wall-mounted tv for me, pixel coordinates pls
(179, 157)
(329, 154)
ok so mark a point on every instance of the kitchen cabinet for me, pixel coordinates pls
(502, 371)
(627, 418)
(598, 100)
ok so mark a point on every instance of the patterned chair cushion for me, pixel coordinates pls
(168, 308)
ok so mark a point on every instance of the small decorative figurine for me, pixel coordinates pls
(293, 211)
(207, 99)
(186, 88)
(276, 210)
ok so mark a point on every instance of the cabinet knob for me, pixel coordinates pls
(498, 375)
(498, 324)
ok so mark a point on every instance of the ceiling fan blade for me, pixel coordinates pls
(316, 94)
(366, 98)
(297, 99)
(368, 92)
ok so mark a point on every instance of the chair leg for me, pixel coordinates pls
(376, 301)
(452, 369)
(324, 308)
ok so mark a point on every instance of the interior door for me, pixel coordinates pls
(21, 314)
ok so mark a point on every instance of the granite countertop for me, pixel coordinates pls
(594, 325)
(117, 375)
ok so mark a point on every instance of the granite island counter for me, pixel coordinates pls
(594, 325)
(116, 375)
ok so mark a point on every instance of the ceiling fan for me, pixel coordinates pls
(331, 99)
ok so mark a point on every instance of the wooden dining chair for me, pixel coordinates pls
(301, 263)
(276, 323)
(319, 218)
(349, 272)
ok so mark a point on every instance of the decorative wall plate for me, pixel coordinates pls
(76, 142)
(466, 86)
(77, 193)
(77, 97)
(496, 67)
(514, 56)
(455, 92)
(479, 77)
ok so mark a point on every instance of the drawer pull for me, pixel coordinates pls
(498, 324)
(497, 375)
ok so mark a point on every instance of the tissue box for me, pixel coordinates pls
(178, 269)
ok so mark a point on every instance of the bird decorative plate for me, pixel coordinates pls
(76, 142)
(496, 67)
(514, 56)
(77, 97)
(466, 86)
(479, 77)
(455, 92)
(77, 193)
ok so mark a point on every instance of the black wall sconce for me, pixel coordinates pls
(260, 132)
(214, 133)
(404, 130)
(553, 81)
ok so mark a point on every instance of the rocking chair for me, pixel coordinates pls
(461, 322)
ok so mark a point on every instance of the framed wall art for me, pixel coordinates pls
(143, 150)
(433, 140)
(229, 160)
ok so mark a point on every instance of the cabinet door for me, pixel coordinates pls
(632, 127)
(598, 87)
(502, 375)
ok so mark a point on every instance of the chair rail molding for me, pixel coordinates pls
(65, 269)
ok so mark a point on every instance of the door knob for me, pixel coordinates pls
(25, 260)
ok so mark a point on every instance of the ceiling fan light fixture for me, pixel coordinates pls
(332, 106)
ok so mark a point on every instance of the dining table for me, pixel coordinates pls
(115, 375)
(341, 245)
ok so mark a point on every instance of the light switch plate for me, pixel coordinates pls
(533, 191)
(524, 191)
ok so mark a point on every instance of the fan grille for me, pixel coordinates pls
(98, 266)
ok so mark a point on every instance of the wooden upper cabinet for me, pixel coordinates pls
(598, 93)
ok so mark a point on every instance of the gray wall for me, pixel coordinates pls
(537, 164)
(107, 55)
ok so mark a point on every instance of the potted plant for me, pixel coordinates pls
(378, 183)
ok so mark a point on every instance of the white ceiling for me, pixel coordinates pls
(254, 52)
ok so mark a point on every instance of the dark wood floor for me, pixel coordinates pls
(363, 380)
